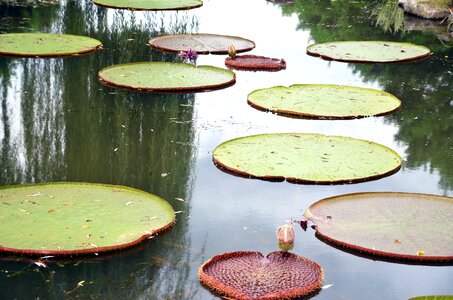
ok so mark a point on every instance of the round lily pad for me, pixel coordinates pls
(78, 218)
(46, 44)
(369, 51)
(202, 43)
(306, 158)
(150, 4)
(166, 77)
(404, 226)
(248, 275)
(255, 63)
(433, 297)
(324, 101)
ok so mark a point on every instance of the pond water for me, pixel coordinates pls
(58, 123)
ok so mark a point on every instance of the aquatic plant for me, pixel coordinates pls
(188, 55)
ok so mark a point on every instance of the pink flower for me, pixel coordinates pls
(188, 55)
(285, 234)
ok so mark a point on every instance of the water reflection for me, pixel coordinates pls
(59, 124)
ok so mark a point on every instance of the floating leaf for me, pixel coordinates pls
(255, 63)
(150, 4)
(112, 225)
(46, 44)
(202, 43)
(306, 158)
(434, 297)
(373, 223)
(369, 51)
(249, 275)
(324, 101)
(166, 77)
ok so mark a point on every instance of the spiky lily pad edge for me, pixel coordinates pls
(223, 289)
(147, 9)
(354, 249)
(201, 88)
(94, 250)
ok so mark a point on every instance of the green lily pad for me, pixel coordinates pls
(321, 101)
(150, 4)
(369, 51)
(306, 158)
(46, 44)
(202, 43)
(248, 275)
(78, 218)
(166, 77)
(434, 297)
(394, 225)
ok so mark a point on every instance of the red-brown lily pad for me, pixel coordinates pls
(255, 63)
(78, 218)
(247, 275)
(46, 45)
(202, 43)
(402, 226)
(369, 51)
(306, 158)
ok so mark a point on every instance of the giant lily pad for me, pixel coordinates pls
(248, 275)
(322, 101)
(394, 225)
(150, 4)
(306, 158)
(369, 51)
(78, 218)
(202, 43)
(46, 44)
(166, 76)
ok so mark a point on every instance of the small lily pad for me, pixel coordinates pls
(401, 226)
(248, 275)
(150, 4)
(369, 51)
(202, 43)
(255, 63)
(46, 44)
(434, 297)
(78, 218)
(306, 158)
(166, 77)
(324, 101)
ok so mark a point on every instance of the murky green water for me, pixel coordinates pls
(58, 123)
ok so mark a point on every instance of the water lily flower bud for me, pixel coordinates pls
(231, 51)
(285, 234)
(286, 246)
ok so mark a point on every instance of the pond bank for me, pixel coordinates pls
(425, 9)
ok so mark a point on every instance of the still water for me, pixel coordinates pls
(58, 123)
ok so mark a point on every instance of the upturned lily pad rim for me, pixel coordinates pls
(373, 253)
(54, 55)
(201, 88)
(148, 9)
(274, 178)
(152, 43)
(223, 289)
(88, 251)
(260, 64)
(300, 115)
(407, 60)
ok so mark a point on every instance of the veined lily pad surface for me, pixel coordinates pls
(369, 51)
(202, 43)
(78, 218)
(255, 63)
(306, 158)
(46, 44)
(324, 101)
(150, 4)
(166, 77)
(403, 226)
(248, 275)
